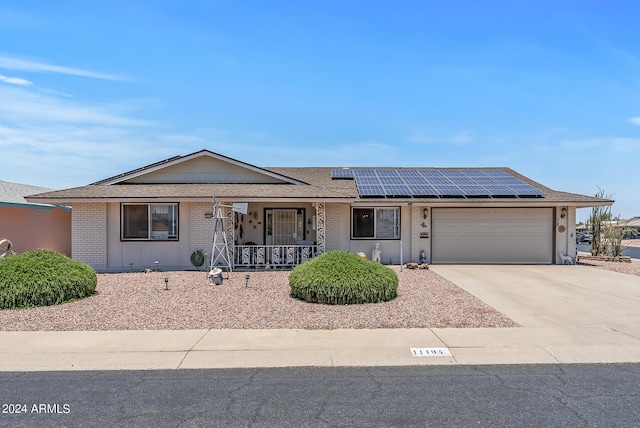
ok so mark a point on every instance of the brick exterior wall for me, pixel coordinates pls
(89, 234)
(334, 232)
(201, 227)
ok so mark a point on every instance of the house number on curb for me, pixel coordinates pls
(430, 352)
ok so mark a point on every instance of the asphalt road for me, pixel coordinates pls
(631, 251)
(439, 396)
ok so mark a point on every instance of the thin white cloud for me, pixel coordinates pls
(22, 106)
(13, 63)
(61, 142)
(69, 155)
(427, 138)
(602, 145)
(15, 80)
(634, 120)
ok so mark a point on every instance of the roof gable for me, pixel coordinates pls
(203, 167)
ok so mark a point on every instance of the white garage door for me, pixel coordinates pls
(492, 235)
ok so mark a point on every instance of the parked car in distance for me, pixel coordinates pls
(631, 234)
(584, 238)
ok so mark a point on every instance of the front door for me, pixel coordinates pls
(284, 226)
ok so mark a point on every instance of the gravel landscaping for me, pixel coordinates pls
(632, 268)
(139, 301)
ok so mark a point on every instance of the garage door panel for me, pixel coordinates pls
(492, 235)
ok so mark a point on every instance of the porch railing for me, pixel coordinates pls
(272, 256)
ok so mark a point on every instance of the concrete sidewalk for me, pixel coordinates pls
(569, 314)
(190, 349)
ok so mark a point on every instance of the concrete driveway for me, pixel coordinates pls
(553, 296)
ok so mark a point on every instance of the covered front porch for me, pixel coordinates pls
(273, 256)
(275, 235)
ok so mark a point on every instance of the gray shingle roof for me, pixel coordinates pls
(320, 187)
(300, 183)
(14, 193)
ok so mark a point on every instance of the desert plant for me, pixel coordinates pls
(42, 278)
(342, 278)
(612, 239)
(607, 236)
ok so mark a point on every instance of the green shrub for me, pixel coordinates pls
(342, 278)
(42, 278)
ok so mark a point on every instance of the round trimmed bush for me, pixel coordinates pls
(343, 278)
(43, 278)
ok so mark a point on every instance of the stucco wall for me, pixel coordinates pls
(138, 255)
(338, 235)
(33, 228)
(421, 234)
(565, 240)
(337, 228)
(572, 249)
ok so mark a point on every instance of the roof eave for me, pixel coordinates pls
(71, 201)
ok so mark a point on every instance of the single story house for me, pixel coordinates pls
(633, 224)
(164, 212)
(30, 225)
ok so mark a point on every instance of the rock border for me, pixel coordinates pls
(621, 259)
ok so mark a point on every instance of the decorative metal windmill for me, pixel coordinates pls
(220, 255)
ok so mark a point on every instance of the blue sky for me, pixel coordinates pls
(549, 88)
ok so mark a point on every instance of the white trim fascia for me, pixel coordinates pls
(465, 203)
(37, 206)
(145, 171)
(195, 199)
(513, 203)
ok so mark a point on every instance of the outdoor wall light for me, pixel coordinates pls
(166, 282)
(425, 212)
(563, 212)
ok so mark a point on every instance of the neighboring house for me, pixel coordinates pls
(163, 212)
(31, 225)
(629, 228)
(634, 223)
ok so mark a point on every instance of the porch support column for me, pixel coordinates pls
(319, 206)
(230, 235)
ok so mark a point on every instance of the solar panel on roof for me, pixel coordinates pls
(453, 173)
(364, 173)
(371, 191)
(475, 191)
(449, 190)
(500, 191)
(431, 182)
(387, 173)
(526, 190)
(465, 182)
(475, 173)
(342, 173)
(431, 173)
(397, 190)
(424, 190)
(496, 173)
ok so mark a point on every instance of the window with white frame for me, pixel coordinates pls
(149, 222)
(375, 223)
